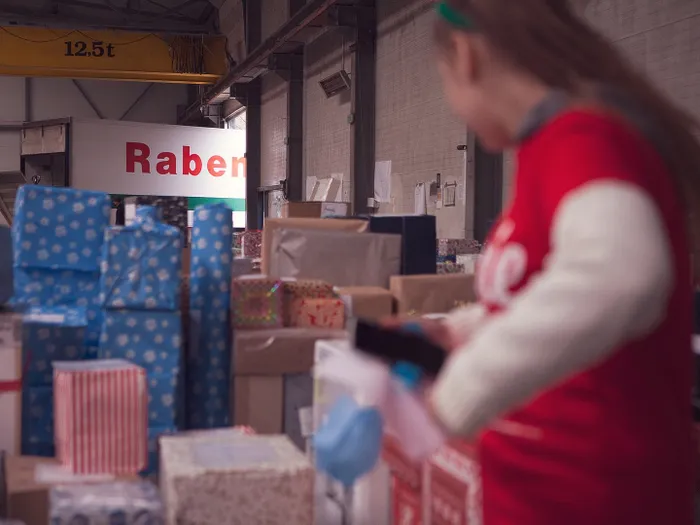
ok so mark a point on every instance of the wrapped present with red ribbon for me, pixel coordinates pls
(304, 289)
(256, 303)
(318, 313)
(12, 370)
(101, 416)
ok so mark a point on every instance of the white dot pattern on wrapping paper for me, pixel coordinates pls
(39, 220)
(148, 338)
(144, 262)
(209, 291)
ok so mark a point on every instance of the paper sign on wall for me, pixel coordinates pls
(382, 181)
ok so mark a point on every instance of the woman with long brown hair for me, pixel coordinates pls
(574, 370)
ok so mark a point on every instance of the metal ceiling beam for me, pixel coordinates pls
(302, 19)
(26, 18)
(134, 14)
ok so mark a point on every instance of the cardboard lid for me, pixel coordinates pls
(20, 473)
(363, 291)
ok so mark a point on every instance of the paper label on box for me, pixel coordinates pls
(219, 455)
(306, 421)
(45, 318)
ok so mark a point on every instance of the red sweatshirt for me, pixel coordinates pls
(576, 367)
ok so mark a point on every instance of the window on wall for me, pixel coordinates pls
(237, 120)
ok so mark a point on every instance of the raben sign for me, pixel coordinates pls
(128, 158)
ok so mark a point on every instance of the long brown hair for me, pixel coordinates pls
(546, 39)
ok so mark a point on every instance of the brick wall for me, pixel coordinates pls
(274, 129)
(415, 130)
(326, 127)
(414, 127)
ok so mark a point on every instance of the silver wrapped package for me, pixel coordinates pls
(114, 503)
(336, 257)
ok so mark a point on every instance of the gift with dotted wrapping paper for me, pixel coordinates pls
(141, 265)
(59, 228)
(113, 503)
(257, 302)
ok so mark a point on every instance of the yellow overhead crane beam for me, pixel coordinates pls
(111, 55)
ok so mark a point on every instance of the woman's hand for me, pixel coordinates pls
(435, 330)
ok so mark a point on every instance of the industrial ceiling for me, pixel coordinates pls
(167, 16)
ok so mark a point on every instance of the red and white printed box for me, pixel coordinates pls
(101, 416)
(400, 465)
(452, 488)
(406, 503)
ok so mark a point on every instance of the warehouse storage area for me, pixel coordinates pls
(233, 233)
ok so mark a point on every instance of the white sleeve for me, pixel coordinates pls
(464, 321)
(607, 280)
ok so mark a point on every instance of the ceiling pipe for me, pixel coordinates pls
(302, 19)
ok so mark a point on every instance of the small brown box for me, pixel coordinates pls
(367, 302)
(277, 352)
(431, 294)
(259, 403)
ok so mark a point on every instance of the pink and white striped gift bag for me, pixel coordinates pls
(101, 416)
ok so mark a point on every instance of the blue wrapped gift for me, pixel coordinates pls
(141, 268)
(59, 228)
(6, 277)
(44, 287)
(51, 334)
(163, 406)
(154, 434)
(208, 370)
(113, 503)
(37, 420)
(212, 254)
(152, 340)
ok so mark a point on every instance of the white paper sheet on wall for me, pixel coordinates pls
(382, 181)
(420, 206)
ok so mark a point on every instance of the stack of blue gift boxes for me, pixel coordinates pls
(140, 293)
(209, 357)
(57, 240)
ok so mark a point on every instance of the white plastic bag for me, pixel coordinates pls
(405, 416)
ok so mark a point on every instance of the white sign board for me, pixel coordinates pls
(130, 158)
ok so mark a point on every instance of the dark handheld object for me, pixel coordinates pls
(398, 346)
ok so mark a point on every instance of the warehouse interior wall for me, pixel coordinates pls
(52, 98)
(327, 125)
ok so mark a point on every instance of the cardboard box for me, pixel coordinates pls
(314, 210)
(431, 294)
(367, 302)
(271, 225)
(10, 382)
(278, 352)
(258, 402)
(339, 258)
(27, 500)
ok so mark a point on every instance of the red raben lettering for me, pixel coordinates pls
(138, 155)
(137, 152)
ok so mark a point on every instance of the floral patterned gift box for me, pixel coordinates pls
(318, 313)
(256, 303)
(303, 289)
(228, 478)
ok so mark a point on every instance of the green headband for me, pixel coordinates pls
(453, 17)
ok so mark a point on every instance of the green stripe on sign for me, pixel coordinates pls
(234, 204)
